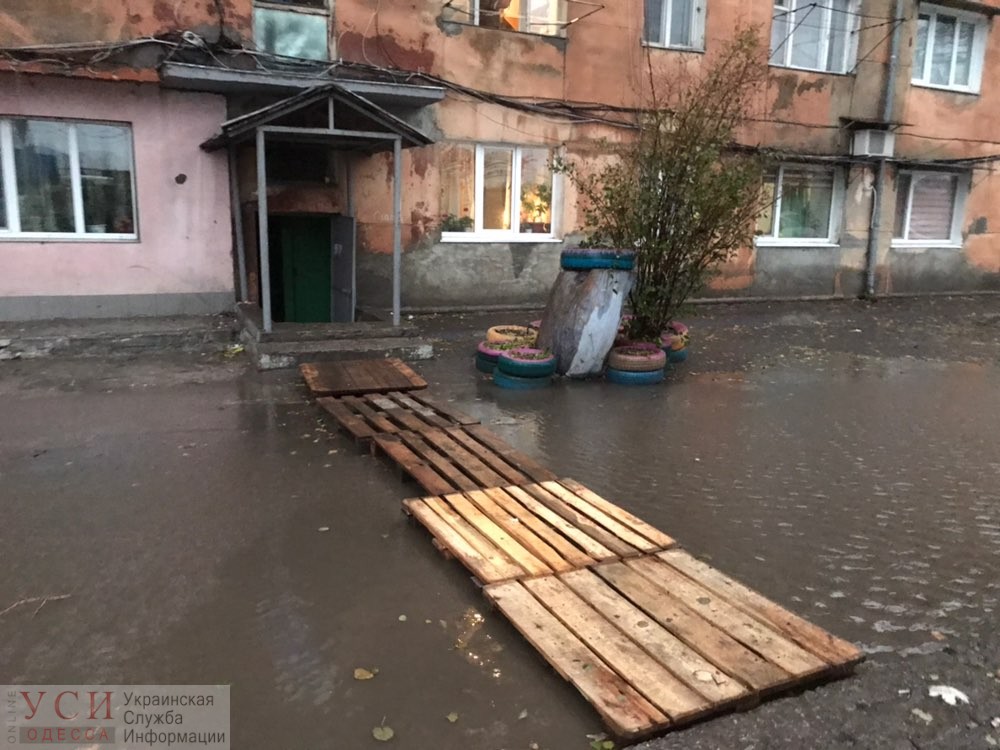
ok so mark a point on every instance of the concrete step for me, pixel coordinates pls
(274, 355)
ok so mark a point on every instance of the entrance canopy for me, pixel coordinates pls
(326, 115)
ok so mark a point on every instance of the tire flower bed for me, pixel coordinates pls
(524, 368)
(636, 363)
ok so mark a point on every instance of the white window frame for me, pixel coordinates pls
(790, 9)
(836, 211)
(291, 7)
(8, 173)
(697, 30)
(514, 234)
(559, 19)
(923, 78)
(962, 185)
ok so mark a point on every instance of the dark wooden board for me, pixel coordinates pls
(360, 376)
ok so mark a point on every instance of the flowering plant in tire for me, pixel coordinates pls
(681, 193)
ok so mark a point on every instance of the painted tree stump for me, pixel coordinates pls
(581, 319)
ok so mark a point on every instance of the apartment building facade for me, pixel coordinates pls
(136, 145)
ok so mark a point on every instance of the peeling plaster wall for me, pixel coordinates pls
(182, 261)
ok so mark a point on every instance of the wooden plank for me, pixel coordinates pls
(513, 549)
(765, 641)
(453, 542)
(650, 678)
(519, 531)
(578, 519)
(728, 654)
(425, 412)
(441, 463)
(467, 462)
(569, 552)
(367, 375)
(640, 543)
(448, 411)
(811, 637)
(376, 419)
(651, 533)
(626, 713)
(522, 462)
(503, 568)
(412, 380)
(407, 419)
(487, 456)
(588, 545)
(685, 663)
(354, 424)
(409, 462)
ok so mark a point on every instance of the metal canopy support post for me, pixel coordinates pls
(235, 207)
(265, 260)
(397, 227)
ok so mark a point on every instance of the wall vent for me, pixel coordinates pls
(873, 143)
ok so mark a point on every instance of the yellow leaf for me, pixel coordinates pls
(383, 733)
(364, 674)
(452, 717)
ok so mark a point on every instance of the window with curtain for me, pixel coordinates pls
(293, 28)
(802, 203)
(546, 17)
(814, 36)
(926, 207)
(949, 48)
(675, 23)
(66, 179)
(495, 191)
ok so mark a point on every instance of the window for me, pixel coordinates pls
(814, 36)
(496, 192)
(531, 16)
(293, 28)
(66, 179)
(675, 23)
(949, 49)
(928, 208)
(804, 203)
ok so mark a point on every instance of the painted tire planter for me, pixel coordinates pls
(676, 356)
(527, 363)
(493, 351)
(515, 383)
(485, 364)
(626, 377)
(510, 334)
(574, 263)
(637, 357)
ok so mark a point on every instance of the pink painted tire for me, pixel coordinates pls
(493, 351)
(637, 357)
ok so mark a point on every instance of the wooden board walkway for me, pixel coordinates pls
(535, 529)
(658, 641)
(360, 376)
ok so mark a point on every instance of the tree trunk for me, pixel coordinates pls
(581, 319)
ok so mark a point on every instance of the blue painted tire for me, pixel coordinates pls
(574, 263)
(523, 368)
(516, 383)
(625, 377)
(485, 364)
(675, 356)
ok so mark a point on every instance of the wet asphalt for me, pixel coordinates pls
(211, 527)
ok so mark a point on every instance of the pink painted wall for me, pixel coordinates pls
(185, 243)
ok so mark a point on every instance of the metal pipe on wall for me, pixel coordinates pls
(235, 207)
(397, 227)
(262, 239)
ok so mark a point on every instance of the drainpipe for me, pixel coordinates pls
(888, 106)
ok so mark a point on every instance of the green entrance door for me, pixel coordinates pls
(305, 268)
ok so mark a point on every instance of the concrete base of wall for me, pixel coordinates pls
(114, 305)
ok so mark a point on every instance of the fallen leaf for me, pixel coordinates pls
(452, 717)
(383, 733)
(364, 674)
(523, 715)
(951, 696)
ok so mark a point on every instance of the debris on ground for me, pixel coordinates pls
(951, 696)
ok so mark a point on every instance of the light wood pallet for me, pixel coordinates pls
(359, 376)
(659, 641)
(534, 529)
(365, 417)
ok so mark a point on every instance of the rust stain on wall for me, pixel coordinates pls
(385, 50)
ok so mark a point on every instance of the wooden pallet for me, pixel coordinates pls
(364, 417)
(458, 458)
(662, 640)
(535, 529)
(360, 376)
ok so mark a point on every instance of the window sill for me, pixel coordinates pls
(938, 87)
(93, 239)
(535, 34)
(925, 244)
(793, 243)
(673, 47)
(500, 239)
(843, 73)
